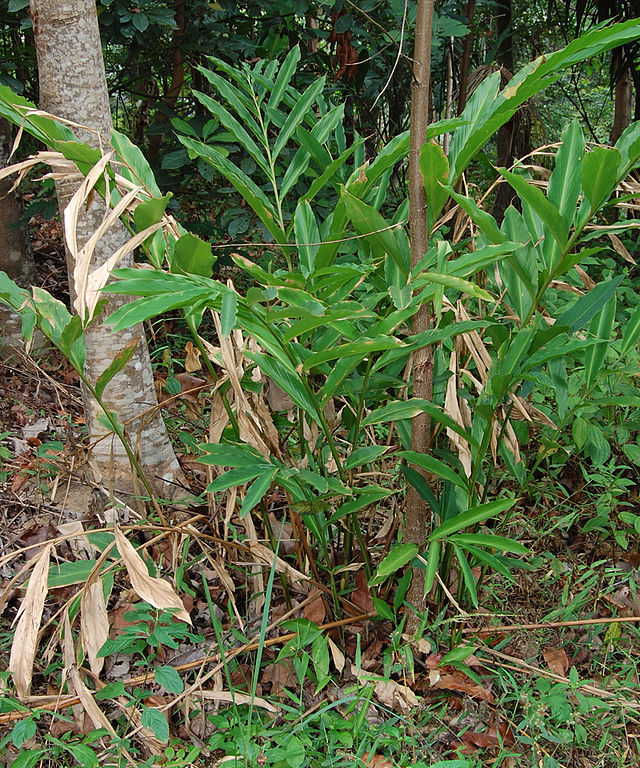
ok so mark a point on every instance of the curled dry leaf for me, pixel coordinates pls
(238, 698)
(25, 638)
(265, 555)
(557, 660)
(94, 622)
(336, 655)
(395, 695)
(156, 592)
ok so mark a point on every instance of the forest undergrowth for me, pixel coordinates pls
(263, 614)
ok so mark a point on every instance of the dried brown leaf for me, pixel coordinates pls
(557, 660)
(25, 638)
(337, 655)
(156, 592)
(395, 695)
(238, 698)
(94, 622)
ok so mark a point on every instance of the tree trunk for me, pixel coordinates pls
(73, 86)
(622, 93)
(465, 61)
(415, 519)
(16, 258)
(177, 77)
(506, 137)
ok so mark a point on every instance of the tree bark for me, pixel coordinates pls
(465, 61)
(415, 520)
(177, 77)
(622, 93)
(506, 138)
(73, 86)
(16, 257)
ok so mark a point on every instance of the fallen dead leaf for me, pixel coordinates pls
(94, 622)
(557, 660)
(396, 696)
(376, 761)
(450, 679)
(25, 638)
(156, 592)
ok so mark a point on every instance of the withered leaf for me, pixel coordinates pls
(25, 639)
(156, 592)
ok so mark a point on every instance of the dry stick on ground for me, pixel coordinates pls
(56, 702)
(504, 628)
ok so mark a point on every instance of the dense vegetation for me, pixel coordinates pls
(265, 615)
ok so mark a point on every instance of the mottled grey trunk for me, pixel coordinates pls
(73, 86)
(16, 258)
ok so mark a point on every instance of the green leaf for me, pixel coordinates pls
(22, 731)
(233, 126)
(254, 196)
(485, 221)
(471, 517)
(307, 237)
(394, 561)
(239, 476)
(193, 256)
(455, 283)
(548, 213)
(257, 490)
(629, 147)
(600, 328)
(169, 679)
(407, 409)
(325, 177)
(382, 609)
(467, 575)
(229, 455)
(72, 572)
(631, 331)
(229, 313)
(458, 654)
(294, 119)
(110, 691)
(587, 306)
(241, 104)
(600, 176)
(361, 349)
(376, 230)
(150, 212)
(117, 365)
(491, 541)
(435, 466)
(157, 722)
(434, 168)
(364, 455)
(564, 185)
(433, 561)
(135, 168)
(286, 72)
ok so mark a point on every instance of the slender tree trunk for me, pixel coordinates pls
(177, 76)
(506, 137)
(415, 520)
(465, 61)
(622, 94)
(16, 257)
(73, 86)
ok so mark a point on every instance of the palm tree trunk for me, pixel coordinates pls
(73, 86)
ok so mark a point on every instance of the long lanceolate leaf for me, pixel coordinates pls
(487, 109)
(249, 190)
